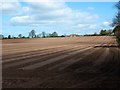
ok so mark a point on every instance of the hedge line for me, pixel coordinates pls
(118, 40)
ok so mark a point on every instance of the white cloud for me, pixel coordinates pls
(9, 7)
(106, 23)
(27, 20)
(21, 20)
(87, 26)
(53, 13)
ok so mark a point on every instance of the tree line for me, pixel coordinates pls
(32, 34)
(116, 23)
(102, 32)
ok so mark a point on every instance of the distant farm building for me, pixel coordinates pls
(73, 35)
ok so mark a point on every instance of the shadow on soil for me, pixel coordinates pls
(113, 46)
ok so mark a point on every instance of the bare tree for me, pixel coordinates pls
(116, 20)
(32, 34)
(39, 35)
(43, 34)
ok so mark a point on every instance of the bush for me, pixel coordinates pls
(118, 40)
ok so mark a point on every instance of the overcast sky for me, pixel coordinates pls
(62, 17)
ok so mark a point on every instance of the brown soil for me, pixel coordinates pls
(80, 62)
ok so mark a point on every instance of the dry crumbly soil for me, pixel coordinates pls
(80, 62)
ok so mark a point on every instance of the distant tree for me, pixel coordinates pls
(55, 34)
(65, 35)
(110, 32)
(9, 36)
(14, 37)
(43, 34)
(103, 32)
(23, 36)
(62, 36)
(39, 35)
(106, 32)
(20, 36)
(95, 34)
(5, 37)
(47, 35)
(32, 34)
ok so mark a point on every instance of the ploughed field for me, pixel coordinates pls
(80, 62)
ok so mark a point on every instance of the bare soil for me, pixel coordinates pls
(80, 62)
